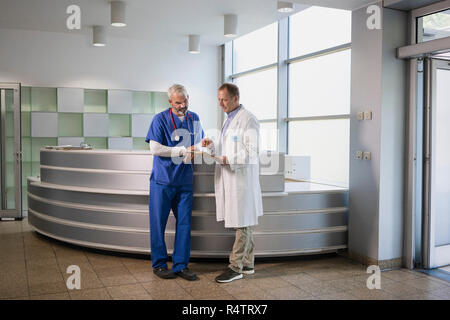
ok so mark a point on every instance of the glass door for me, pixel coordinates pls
(439, 203)
(10, 152)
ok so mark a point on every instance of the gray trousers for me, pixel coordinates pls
(242, 252)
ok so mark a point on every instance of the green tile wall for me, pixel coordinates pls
(95, 100)
(43, 99)
(160, 101)
(140, 144)
(119, 125)
(142, 102)
(70, 124)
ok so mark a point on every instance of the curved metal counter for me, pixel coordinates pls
(99, 198)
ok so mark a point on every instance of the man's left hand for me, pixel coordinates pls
(222, 160)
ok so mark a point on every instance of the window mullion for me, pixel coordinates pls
(282, 82)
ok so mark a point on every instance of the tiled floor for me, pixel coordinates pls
(34, 267)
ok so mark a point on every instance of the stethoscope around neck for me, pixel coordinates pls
(177, 137)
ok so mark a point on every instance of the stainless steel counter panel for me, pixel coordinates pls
(135, 180)
(81, 202)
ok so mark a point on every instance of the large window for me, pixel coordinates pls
(255, 73)
(310, 114)
(256, 49)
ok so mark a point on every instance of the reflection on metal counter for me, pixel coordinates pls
(99, 199)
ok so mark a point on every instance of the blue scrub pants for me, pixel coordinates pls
(162, 199)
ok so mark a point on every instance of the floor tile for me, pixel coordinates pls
(428, 284)
(402, 275)
(290, 293)
(90, 294)
(255, 294)
(401, 289)
(374, 294)
(124, 291)
(47, 288)
(53, 296)
(169, 291)
(337, 296)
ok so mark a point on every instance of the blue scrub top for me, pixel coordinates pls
(190, 132)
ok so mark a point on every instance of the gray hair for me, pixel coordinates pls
(177, 88)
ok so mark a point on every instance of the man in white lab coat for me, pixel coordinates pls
(236, 181)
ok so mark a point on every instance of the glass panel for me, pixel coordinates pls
(256, 49)
(70, 124)
(37, 144)
(318, 28)
(26, 149)
(25, 98)
(327, 143)
(320, 86)
(26, 124)
(160, 101)
(142, 102)
(9, 99)
(36, 169)
(119, 125)
(140, 144)
(43, 99)
(9, 124)
(440, 187)
(258, 93)
(95, 100)
(433, 26)
(97, 143)
(268, 136)
(7, 151)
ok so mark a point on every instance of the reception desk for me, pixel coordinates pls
(99, 199)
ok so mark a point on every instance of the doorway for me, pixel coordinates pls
(439, 193)
(10, 153)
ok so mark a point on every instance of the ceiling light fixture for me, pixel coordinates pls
(230, 25)
(99, 36)
(118, 14)
(194, 43)
(284, 6)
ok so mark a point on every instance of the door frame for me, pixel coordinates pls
(414, 253)
(17, 212)
(437, 256)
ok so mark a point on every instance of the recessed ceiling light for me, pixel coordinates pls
(284, 6)
(194, 43)
(230, 25)
(118, 14)
(99, 36)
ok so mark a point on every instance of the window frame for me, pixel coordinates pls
(282, 66)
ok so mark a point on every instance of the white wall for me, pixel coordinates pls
(376, 186)
(49, 59)
(392, 136)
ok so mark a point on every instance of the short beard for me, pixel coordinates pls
(181, 111)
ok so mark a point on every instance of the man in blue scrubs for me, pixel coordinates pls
(172, 136)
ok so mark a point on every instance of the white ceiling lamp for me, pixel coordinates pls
(284, 6)
(194, 43)
(118, 14)
(230, 25)
(99, 36)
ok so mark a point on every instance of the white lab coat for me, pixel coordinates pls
(237, 188)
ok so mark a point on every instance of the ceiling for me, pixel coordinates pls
(168, 20)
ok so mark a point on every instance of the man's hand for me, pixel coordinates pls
(222, 160)
(206, 142)
(190, 152)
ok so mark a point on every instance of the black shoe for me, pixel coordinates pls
(187, 274)
(229, 276)
(164, 273)
(247, 270)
